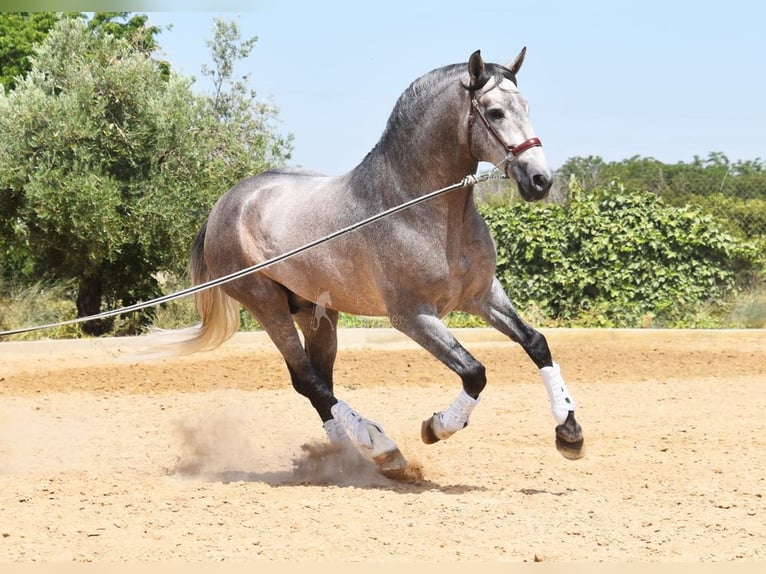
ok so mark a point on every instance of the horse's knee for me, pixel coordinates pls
(474, 380)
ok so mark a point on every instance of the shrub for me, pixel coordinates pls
(613, 257)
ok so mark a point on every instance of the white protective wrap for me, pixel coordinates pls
(353, 423)
(558, 393)
(335, 432)
(454, 418)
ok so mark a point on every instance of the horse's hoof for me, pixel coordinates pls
(392, 464)
(386, 455)
(569, 440)
(570, 450)
(427, 432)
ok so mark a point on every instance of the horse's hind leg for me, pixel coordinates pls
(321, 344)
(321, 347)
(320, 336)
(500, 313)
(310, 369)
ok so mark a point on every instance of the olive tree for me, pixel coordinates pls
(109, 164)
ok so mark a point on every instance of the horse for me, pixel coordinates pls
(413, 267)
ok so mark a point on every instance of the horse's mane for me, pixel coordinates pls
(434, 82)
(423, 91)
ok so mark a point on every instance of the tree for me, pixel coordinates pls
(676, 182)
(108, 166)
(19, 33)
(589, 171)
(133, 29)
(250, 132)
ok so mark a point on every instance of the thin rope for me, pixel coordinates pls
(467, 181)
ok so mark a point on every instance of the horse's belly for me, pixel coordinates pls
(332, 280)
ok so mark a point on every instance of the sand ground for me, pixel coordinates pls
(214, 457)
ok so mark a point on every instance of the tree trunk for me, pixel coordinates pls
(89, 303)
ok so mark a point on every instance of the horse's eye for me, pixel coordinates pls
(495, 114)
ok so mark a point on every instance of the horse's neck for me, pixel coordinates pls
(447, 216)
(425, 153)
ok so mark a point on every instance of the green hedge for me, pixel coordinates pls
(613, 257)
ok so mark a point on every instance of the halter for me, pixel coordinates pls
(511, 151)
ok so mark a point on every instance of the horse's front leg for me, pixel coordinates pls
(499, 312)
(429, 332)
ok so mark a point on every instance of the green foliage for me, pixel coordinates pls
(108, 166)
(743, 217)
(734, 192)
(459, 320)
(19, 33)
(676, 183)
(227, 48)
(132, 28)
(612, 257)
(249, 131)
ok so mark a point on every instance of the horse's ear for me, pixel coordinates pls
(476, 69)
(515, 66)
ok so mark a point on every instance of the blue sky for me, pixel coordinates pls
(666, 79)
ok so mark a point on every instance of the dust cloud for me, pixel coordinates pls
(218, 448)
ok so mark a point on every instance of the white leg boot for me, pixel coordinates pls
(336, 433)
(371, 440)
(558, 393)
(444, 424)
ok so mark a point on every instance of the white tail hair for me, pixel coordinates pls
(219, 312)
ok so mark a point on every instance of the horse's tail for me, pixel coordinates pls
(219, 312)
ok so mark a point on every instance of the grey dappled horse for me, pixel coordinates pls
(413, 267)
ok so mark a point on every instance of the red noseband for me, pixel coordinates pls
(525, 145)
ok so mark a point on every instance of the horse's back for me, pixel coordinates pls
(276, 192)
(274, 180)
(273, 211)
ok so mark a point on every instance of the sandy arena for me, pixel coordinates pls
(214, 457)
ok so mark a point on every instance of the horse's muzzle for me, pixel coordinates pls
(534, 186)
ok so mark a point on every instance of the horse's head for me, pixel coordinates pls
(499, 129)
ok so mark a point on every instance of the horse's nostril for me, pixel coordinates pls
(540, 181)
